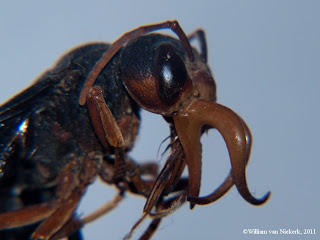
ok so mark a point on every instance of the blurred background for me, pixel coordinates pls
(265, 56)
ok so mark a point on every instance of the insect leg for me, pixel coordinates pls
(42, 211)
(136, 185)
(56, 221)
(56, 214)
(75, 223)
(163, 208)
(107, 128)
(135, 174)
(25, 216)
(152, 228)
(71, 187)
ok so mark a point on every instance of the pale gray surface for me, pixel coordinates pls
(265, 57)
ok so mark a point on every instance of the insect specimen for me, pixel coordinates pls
(80, 119)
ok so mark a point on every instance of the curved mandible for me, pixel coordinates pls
(228, 182)
(118, 44)
(204, 113)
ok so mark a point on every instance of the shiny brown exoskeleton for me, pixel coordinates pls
(52, 148)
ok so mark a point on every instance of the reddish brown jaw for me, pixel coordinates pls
(189, 122)
(228, 182)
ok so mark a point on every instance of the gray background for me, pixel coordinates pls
(265, 58)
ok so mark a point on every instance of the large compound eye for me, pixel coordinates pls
(170, 72)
